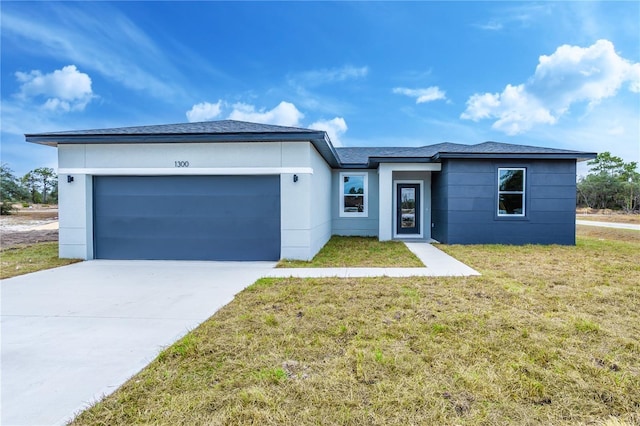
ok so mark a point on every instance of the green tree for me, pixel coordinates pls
(31, 185)
(611, 184)
(607, 163)
(47, 177)
(599, 191)
(53, 194)
(10, 184)
(10, 189)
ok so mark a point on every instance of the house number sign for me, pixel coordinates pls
(181, 163)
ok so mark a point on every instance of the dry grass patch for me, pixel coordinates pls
(16, 261)
(548, 335)
(603, 233)
(631, 219)
(359, 252)
(612, 218)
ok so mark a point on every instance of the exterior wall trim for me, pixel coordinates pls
(159, 171)
(412, 167)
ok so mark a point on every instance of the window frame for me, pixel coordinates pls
(523, 193)
(365, 195)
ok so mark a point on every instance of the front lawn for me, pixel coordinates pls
(359, 252)
(547, 335)
(603, 233)
(20, 260)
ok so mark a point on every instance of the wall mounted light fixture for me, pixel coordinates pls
(69, 178)
(295, 178)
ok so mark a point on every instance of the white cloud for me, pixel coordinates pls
(521, 15)
(570, 75)
(422, 95)
(66, 89)
(491, 26)
(335, 128)
(516, 110)
(329, 75)
(204, 111)
(75, 32)
(285, 114)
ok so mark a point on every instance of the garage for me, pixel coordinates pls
(187, 217)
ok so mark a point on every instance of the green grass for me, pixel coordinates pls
(358, 252)
(547, 335)
(23, 260)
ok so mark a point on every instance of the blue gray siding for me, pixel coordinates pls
(465, 200)
(440, 204)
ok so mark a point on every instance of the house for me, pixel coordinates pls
(230, 190)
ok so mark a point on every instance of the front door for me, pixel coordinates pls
(408, 209)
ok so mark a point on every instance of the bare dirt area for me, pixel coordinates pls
(29, 226)
(606, 215)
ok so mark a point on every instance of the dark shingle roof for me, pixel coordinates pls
(502, 148)
(207, 131)
(201, 128)
(240, 131)
(370, 157)
(360, 155)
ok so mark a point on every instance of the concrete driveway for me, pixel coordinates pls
(73, 334)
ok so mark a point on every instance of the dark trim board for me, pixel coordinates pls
(187, 217)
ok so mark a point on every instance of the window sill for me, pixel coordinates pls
(511, 218)
(359, 215)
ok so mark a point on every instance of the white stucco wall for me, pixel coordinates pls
(320, 203)
(75, 213)
(301, 232)
(306, 214)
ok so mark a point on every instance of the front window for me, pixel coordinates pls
(353, 194)
(511, 191)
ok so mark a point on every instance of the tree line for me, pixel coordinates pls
(37, 186)
(610, 184)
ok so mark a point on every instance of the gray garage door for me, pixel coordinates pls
(187, 217)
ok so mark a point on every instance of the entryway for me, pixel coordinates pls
(408, 204)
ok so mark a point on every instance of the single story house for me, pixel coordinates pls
(231, 190)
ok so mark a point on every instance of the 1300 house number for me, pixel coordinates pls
(181, 163)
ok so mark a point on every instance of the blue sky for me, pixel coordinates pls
(558, 74)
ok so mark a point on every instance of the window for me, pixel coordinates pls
(353, 194)
(511, 191)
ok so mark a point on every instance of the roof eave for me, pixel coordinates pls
(375, 161)
(55, 139)
(323, 145)
(578, 156)
(354, 166)
(319, 139)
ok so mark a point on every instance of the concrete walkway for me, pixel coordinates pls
(609, 224)
(437, 262)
